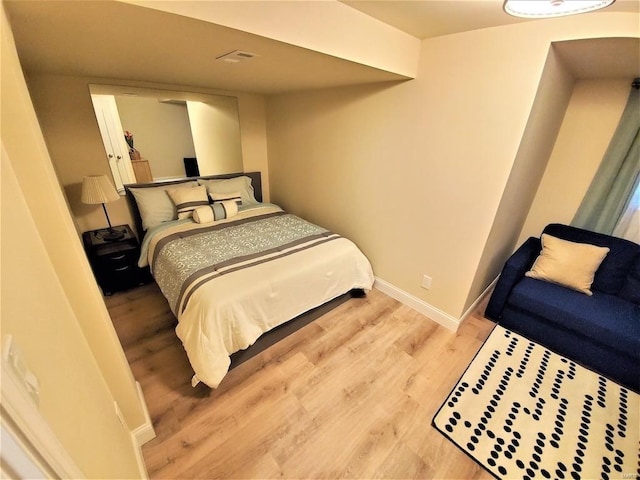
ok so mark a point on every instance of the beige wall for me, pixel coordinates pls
(50, 302)
(215, 126)
(65, 113)
(545, 118)
(74, 398)
(161, 133)
(66, 116)
(415, 172)
(590, 121)
(253, 134)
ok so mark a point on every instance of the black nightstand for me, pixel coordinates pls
(114, 262)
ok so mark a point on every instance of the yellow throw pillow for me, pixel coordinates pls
(570, 264)
(188, 199)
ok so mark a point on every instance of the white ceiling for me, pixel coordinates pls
(597, 58)
(601, 57)
(431, 18)
(116, 40)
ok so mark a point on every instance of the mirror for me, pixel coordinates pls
(152, 135)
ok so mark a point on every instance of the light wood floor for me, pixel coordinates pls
(351, 395)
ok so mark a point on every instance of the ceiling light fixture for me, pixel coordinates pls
(552, 8)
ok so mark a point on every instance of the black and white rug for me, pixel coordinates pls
(522, 411)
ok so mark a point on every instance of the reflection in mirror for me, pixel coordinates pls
(153, 135)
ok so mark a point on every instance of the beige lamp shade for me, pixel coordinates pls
(98, 189)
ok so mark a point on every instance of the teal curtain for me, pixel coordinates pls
(612, 187)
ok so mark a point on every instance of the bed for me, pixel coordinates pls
(232, 267)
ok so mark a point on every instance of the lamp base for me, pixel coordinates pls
(112, 235)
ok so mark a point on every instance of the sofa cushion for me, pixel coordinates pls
(631, 288)
(618, 366)
(608, 319)
(612, 274)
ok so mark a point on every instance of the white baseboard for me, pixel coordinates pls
(142, 434)
(435, 314)
(142, 467)
(145, 432)
(475, 304)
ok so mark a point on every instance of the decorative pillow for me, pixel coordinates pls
(238, 184)
(215, 212)
(612, 273)
(570, 264)
(154, 204)
(223, 197)
(187, 200)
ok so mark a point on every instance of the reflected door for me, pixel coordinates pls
(113, 139)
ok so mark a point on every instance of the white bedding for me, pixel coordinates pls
(231, 310)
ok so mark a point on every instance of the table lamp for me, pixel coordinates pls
(98, 189)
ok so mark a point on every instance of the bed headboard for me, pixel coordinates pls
(256, 183)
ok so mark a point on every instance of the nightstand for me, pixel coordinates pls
(115, 262)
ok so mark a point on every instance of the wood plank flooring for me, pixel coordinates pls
(351, 395)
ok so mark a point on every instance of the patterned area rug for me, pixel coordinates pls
(522, 411)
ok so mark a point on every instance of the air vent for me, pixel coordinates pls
(236, 56)
(172, 101)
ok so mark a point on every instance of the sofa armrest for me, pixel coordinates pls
(514, 269)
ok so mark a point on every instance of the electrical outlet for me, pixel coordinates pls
(426, 282)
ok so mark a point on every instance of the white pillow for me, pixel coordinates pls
(238, 184)
(154, 203)
(223, 197)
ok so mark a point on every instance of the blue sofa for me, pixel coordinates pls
(602, 331)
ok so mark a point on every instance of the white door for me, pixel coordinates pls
(115, 145)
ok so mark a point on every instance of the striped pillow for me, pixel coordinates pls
(188, 199)
(215, 212)
(223, 197)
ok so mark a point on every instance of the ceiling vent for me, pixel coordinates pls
(236, 56)
(172, 101)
